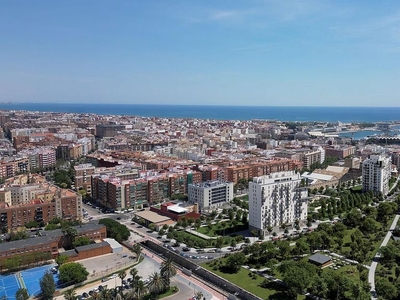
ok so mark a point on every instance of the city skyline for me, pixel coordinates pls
(259, 53)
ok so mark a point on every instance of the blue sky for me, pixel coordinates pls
(252, 52)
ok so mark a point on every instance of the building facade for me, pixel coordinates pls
(376, 174)
(210, 193)
(276, 199)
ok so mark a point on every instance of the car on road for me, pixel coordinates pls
(85, 295)
(140, 226)
(186, 249)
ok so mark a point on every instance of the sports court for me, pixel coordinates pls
(31, 278)
(9, 284)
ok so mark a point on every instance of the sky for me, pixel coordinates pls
(222, 52)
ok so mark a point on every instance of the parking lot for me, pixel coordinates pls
(106, 264)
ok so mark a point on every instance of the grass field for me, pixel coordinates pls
(215, 227)
(242, 279)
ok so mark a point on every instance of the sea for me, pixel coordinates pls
(219, 112)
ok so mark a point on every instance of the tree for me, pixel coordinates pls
(235, 261)
(71, 273)
(115, 230)
(69, 233)
(136, 249)
(81, 241)
(219, 242)
(385, 210)
(152, 226)
(141, 290)
(198, 295)
(69, 294)
(233, 243)
(22, 294)
(167, 271)
(156, 283)
(61, 259)
(47, 286)
(122, 275)
(389, 252)
(353, 218)
(385, 288)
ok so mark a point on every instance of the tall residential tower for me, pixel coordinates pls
(376, 174)
(276, 199)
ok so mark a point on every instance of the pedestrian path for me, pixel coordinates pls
(374, 264)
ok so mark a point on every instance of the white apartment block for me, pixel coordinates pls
(210, 193)
(317, 155)
(21, 194)
(376, 174)
(276, 199)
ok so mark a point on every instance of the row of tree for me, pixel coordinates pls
(115, 229)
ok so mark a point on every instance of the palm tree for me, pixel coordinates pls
(96, 296)
(199, 295)
(156, 284)
(141, 290)
(119, 297)
(136, 249)
(167, 271)
(122, 275)
(69, 294)
(106, 294)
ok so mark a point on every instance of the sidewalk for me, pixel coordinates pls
(203, 236)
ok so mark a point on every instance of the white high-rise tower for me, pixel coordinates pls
(276, 199)
(376, 174)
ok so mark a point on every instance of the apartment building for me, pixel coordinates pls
(276, 199)
(150, 188)
(83, 176)
(255, 169)
(310, 157)
(396, 159)
(66, 205)
(38, 201)
(210, 193)
(376, 172)
(340, 151)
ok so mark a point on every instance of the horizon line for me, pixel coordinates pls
(170, 104)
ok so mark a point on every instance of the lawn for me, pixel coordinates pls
(350, 271)
(184, 236)
(216, 227)
(242, 279)
(171, 291)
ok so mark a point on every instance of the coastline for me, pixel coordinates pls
(215, 112)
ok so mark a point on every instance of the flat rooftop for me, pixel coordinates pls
(151, 216)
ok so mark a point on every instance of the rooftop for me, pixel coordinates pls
(319, 259)
(151, 216)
